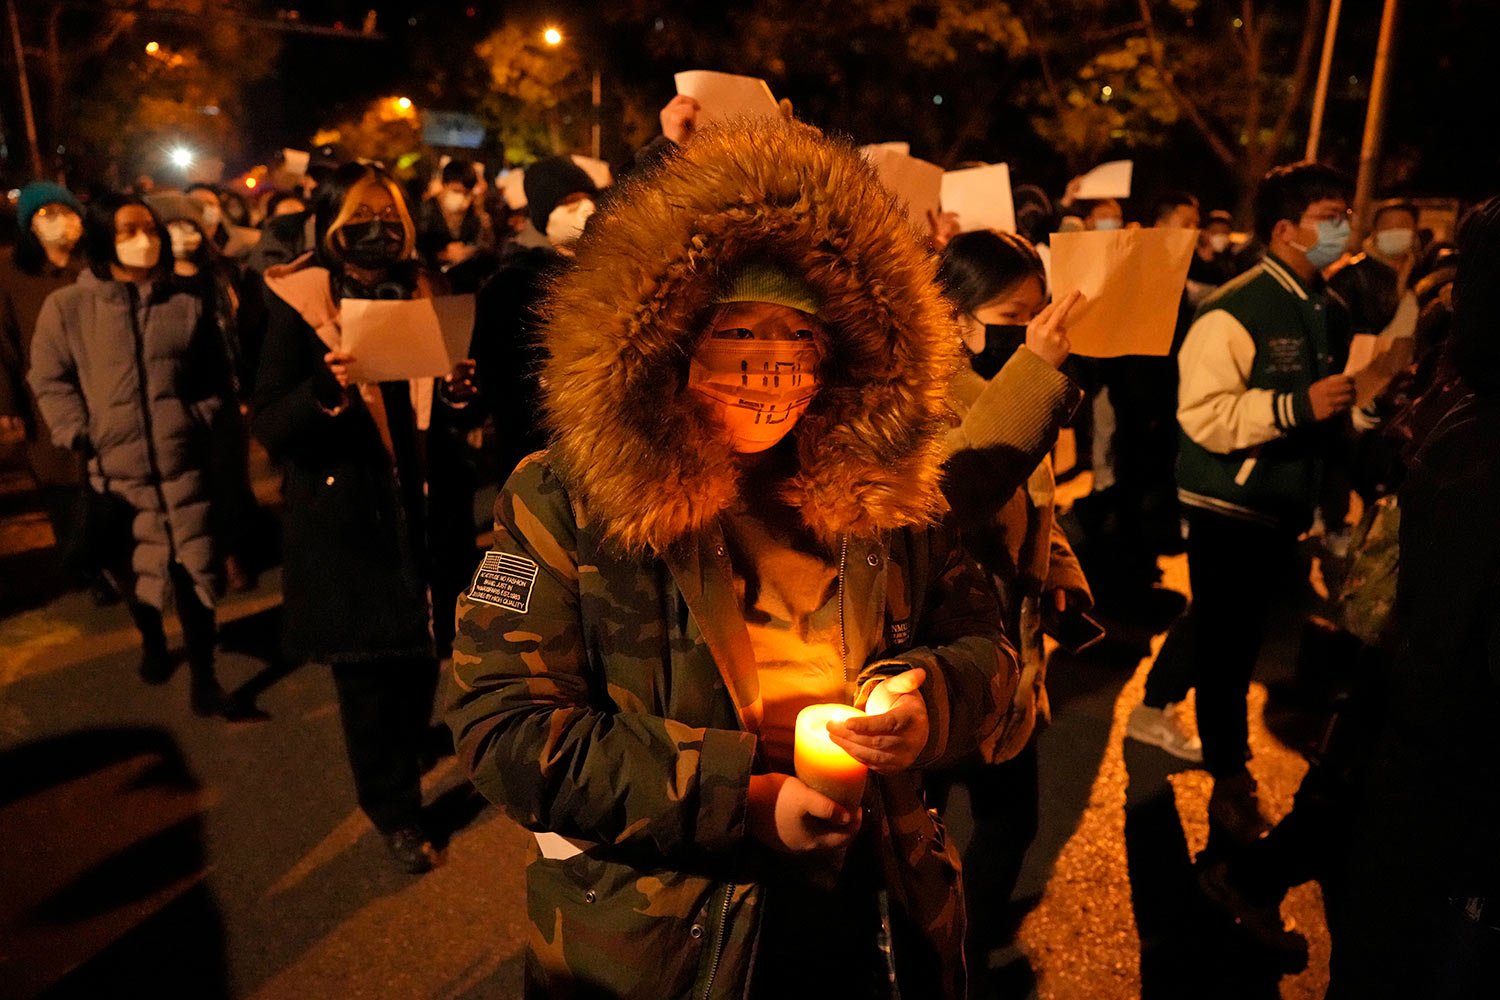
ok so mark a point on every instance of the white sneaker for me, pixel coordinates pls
(1160, 727)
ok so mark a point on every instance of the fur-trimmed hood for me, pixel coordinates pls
(643, 454)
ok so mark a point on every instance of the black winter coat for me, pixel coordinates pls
(353, 578)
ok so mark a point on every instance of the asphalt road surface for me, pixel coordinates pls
(149, 852)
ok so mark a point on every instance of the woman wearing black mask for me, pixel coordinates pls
(360, 475)
(1011, 401)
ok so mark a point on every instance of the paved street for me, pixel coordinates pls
(149, 852)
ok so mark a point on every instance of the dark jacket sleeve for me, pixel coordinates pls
(1010, 428)
(526, 714)
(296, 396)
(972, 670)
(12, 365)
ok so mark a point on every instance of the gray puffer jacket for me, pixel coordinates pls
(131, 376)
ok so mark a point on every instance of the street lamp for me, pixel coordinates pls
(181, 157)
(403, 103)
(554, 38)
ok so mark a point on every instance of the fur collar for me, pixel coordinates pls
(641, 452)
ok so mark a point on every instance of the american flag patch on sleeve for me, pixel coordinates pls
(504, 581)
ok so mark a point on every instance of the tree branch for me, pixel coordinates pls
(1303, 72)
(1189, 107)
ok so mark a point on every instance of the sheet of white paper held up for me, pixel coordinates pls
(725, 95)
(915, 182)
(1132, 281)
(981, 198)
(1107, 180)
(393, 340)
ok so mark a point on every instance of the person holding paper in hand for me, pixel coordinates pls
(1011, 400)
(364, 468)
(736, 520)
(1260, 388)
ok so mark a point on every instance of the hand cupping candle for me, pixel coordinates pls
(823, 765)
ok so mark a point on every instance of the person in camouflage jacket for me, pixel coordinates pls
(607, 689)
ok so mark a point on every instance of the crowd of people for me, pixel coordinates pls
(761, 444)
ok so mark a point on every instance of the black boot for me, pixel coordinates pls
(411, 850)
(156, 662)
(205, 696)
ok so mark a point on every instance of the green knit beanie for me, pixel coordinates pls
(764, 283)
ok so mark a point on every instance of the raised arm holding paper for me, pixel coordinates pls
(726, 95)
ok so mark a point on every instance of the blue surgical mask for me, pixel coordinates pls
(1333, 240)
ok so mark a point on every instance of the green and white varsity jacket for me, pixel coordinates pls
(1250, 447)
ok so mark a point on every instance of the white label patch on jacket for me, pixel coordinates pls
(504, 581)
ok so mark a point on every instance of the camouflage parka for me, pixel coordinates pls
(605, 688)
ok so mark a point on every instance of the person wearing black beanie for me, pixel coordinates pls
(556, 186)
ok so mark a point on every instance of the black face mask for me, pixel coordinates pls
(1000, 342)
(373, 244)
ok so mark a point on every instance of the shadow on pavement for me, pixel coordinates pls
(105, 870)
(1188, 948)
(259, 637)
(451, 812)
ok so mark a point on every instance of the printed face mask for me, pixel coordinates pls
(141, 250)
(1333, 240)
(186, 239)
(759, 388)
(58, 229)
(565, 224)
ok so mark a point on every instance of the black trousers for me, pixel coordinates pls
(1005, 802)
(1234, 567)
(199, 630)
(385, 706)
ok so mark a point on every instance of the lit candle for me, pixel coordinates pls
(822, 764)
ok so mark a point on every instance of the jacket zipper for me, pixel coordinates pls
(140, 373)
(713, 970)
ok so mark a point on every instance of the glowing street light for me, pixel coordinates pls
(152, 48)
(552, 36)
(404, 103)
(181, 157)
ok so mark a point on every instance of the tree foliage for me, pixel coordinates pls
(1232, 73)
(539, 94)
(122, 83)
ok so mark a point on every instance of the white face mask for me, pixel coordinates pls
(212, 216)
(453, 202)
(1104, 225)
(186, 239)
(58, 229)
(1219, 242)
(565, 224)
(1395, 242)
(140, 251)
